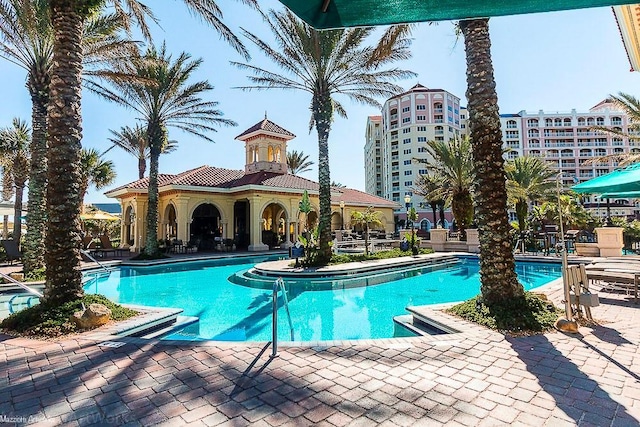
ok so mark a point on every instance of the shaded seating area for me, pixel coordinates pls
(12, 251)
(107, 248)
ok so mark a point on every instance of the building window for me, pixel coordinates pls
(407, 151)
(406, 141)
(422, 171)
(407, 162)
(406, 130)
(407, 173)
(421, 107)
(422, 139)
(422, 128)
(421, 118)
(405, 109)
(408, 183)
(406, 119)
(422, 149)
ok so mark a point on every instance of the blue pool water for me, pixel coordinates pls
(337, 310)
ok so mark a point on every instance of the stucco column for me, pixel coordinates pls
(124, 223)
(255, 236)
(439, 239)
(287, 236)
(140, 226)
(182, 219)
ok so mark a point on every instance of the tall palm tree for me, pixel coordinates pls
(453, 166)
(134, 141)
(499, 282)
(14, 158)
(326, 64)
(95, 170)
(26, 40)
(63, 282)
(428, 186)
(528, 179)
(163, 98)
(298, 162)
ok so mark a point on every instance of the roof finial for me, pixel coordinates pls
(265, 114)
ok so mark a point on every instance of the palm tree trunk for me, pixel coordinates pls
(63, 240)
(142, 167)
(17, 213)
(499, 282)
(33, 248)
(323, 126)
(155, 142)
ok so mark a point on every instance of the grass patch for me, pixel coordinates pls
(345, 258)
(529, 315)
(49, 321)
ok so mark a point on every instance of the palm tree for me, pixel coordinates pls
(528, 179)
(95, 170)
(26, 40)
(298, 162)
(631, 106)
(63, 282)
(428, 186)
(453, 166)
(14, 158)
(326, 64)
(134, 141)
(499, 282)
(367, 219)
(163, 99)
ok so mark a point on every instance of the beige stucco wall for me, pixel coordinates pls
(185, 204)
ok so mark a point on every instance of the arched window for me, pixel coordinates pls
(278, 154)
(270, 154)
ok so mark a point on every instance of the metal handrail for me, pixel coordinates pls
(88, 255)
(278, 284)
(22, 285)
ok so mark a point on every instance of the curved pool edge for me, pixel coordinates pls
(283, 268)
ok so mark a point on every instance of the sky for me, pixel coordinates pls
(552, 61)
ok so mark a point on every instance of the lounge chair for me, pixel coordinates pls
(616, 280)
(108, 247)
(12, 251)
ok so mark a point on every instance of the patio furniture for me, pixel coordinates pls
(12, 251)
(107, 247)
(616, 279)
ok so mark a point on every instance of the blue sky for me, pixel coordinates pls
(552, 61)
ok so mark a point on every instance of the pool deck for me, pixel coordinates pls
(475, 377)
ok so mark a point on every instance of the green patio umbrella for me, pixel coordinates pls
(324, 14)
(619, 184)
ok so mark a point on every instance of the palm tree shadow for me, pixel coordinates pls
(575, 393)
(612, 336)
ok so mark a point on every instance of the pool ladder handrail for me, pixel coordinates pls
(278, 285)
(102, 266)
(21, 285)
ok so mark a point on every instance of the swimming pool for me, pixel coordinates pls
(333, 310)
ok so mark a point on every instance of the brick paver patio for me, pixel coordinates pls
(482, 378)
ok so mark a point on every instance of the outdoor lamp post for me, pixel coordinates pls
(407, 203)
(342, 214)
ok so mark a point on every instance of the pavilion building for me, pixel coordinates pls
(257, 208)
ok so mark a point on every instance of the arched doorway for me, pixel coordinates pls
(206, 225)
(274, 220)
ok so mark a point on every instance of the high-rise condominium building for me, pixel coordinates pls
(398, 137)
(565, 140)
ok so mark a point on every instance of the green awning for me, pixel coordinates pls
(619, 184)
(323, 14)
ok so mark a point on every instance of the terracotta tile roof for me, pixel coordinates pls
(211, 177)
(267, 126)
(351, 196)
